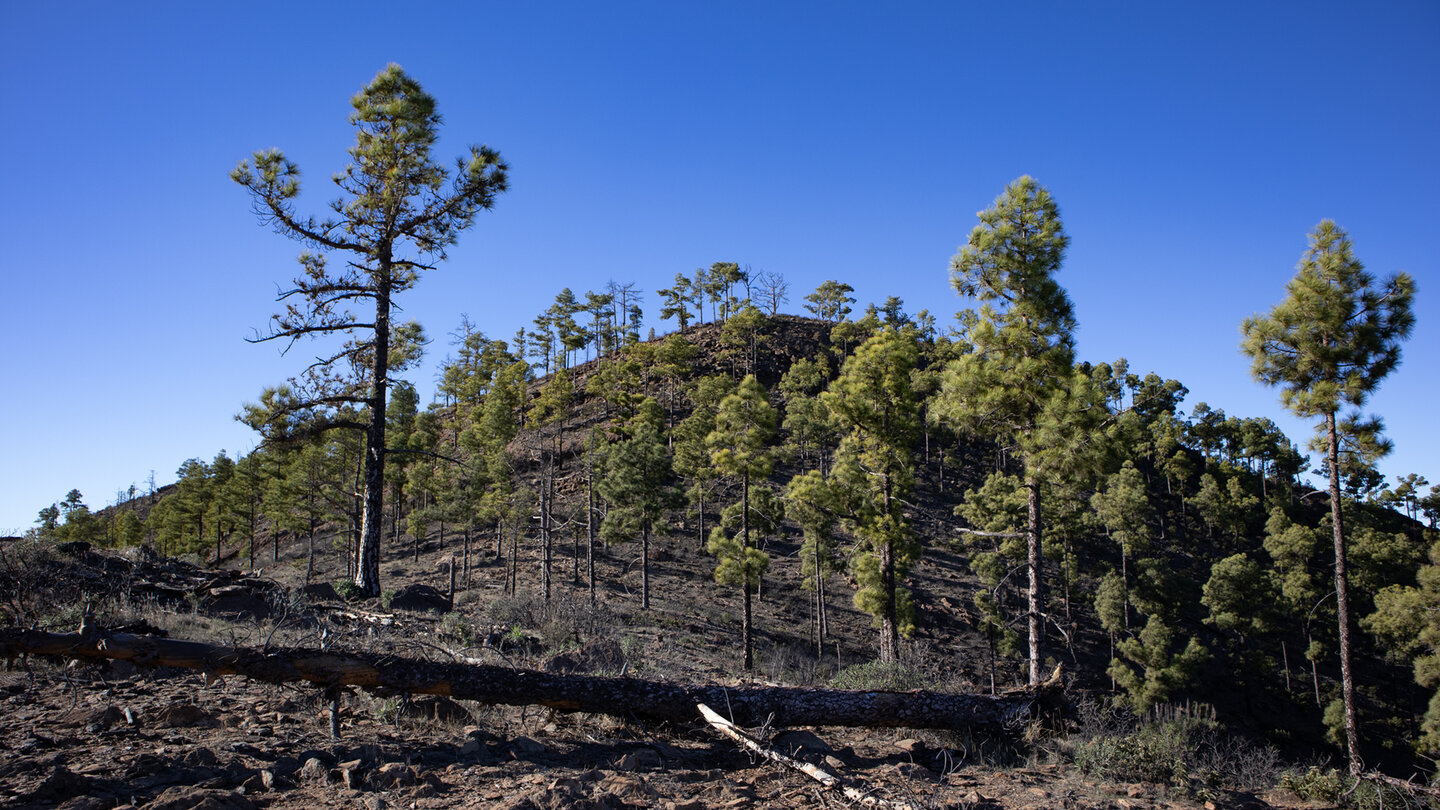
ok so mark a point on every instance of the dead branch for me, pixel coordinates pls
(824, 777)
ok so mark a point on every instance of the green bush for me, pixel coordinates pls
(1159, 753)
(347, 589)
(455, 626)
(1178, 746)
(879, 675)
(1337, 788)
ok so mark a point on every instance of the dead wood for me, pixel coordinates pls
(625, 697)
(824, 777)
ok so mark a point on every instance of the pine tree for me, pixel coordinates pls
(1018, 376)
(831, 301)
(393, 220)
(740, 448)
(1329, 344)
(675, 301)
(636, 483)
(878, 411)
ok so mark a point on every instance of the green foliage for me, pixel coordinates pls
(877, 675)
(1123, 506)
(1239, 594)
(394, 217)
(737, 565)
(1158, 753)
(1336, 335)
(831, 301)
(1110, 599)
(1335, 788)
(1407, 621)
(874, 404)
(1159, 671)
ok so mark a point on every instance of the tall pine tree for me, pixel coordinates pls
(1331, 341)
(1017, 377)
(394, 218)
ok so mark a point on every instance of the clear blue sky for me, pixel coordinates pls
(1191, 148)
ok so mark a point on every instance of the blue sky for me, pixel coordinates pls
(1191, 148)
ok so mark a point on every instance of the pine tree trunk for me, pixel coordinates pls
(889, 626)
(645, 566)
(746, 628)
(590, 536)
(367, 563)
(1034, 594)
(1342, 599)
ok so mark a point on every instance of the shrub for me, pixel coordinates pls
(879, 675)
(1337, 788)
(1179, 746)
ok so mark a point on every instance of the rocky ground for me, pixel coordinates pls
(84, 736)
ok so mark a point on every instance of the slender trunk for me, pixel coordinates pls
(889, 626)
(1034, 594)
(746, 628)
(310, 554)
(546, 493)
(590, 535)
(645, 566)
(1342, 599)
(700, 509)
(367, 564)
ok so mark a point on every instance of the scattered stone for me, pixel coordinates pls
(909, 770)
(315, 770)
(352, 774)
(915, 749)
(103, 719)
(59, 786)
(604, 655)
(393, 774)
(525, 745)
(627, 786)
(321, 592)
(185, 715)
(420, 598)
(85, 803)
(184, 797)
(199, 757)
(237, 601)
(797, 740)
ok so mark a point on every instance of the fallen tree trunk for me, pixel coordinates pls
(626, 697)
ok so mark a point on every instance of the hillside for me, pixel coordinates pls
(1206, 500)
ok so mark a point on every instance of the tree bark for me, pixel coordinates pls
(1034, 595)
(1342, 600)
(627, 697)
(367, 563)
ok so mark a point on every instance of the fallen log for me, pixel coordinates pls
(824, 777)
(626, 697)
